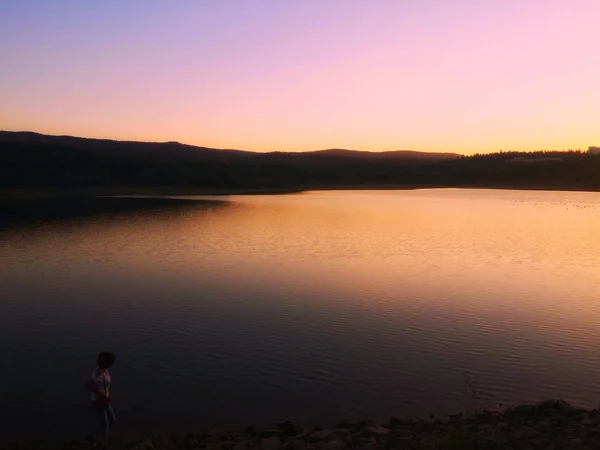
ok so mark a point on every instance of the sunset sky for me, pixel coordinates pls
(433, 75)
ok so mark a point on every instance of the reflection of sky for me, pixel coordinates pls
(464, 75)
(370, 303)
(347, 240)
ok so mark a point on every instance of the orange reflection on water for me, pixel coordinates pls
(382, 286)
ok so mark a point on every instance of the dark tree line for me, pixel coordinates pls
(26, 164)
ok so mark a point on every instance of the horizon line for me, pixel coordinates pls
(449, 152)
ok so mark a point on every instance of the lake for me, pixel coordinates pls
(314, 307)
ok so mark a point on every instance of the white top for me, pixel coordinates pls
(102, 379)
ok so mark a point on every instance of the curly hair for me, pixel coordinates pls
(106, 360)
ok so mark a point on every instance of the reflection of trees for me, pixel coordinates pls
(21, 212)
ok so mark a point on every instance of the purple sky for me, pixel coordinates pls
(446, 75)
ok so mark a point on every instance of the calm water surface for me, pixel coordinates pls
(314, 307)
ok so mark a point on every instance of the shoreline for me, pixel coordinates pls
(58, 193)
(549, 424)
(26, 194)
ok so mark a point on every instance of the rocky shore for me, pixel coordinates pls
(549, 425)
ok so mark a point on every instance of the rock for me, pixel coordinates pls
(303, 433)
(517, 434)
(287, 428)
(542, 443)
(353, 440)
(523, 410)
(253, 442)
(369, 443)
(430, 420)
(190, 441)
(503, 426)
(544, 425)
(551, 412)
(271, 443)
(162, 442)
(144, 445)
(395, 422)
(334, 445)
(559, 405)
(72, 444)
(269, 433)
(487, 417)
(482, 444)
(215, 446)
(297, 444)
(352, 427)
(576, 444)
(445, 420)
(339, 434)
(376, 431)
(369, 446)
(241, 445)
(318, 436)
(430, 443)
(400, 443)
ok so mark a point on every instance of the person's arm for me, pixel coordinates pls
(92, 386)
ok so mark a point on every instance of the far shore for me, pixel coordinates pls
(132, 191)
(15, 194)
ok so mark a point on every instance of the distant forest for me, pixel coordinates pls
(35, 161)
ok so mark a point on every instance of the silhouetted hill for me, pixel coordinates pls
(157, 151)
(35, 161)
(177, 152)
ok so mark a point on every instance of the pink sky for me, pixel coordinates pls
(434, 75)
